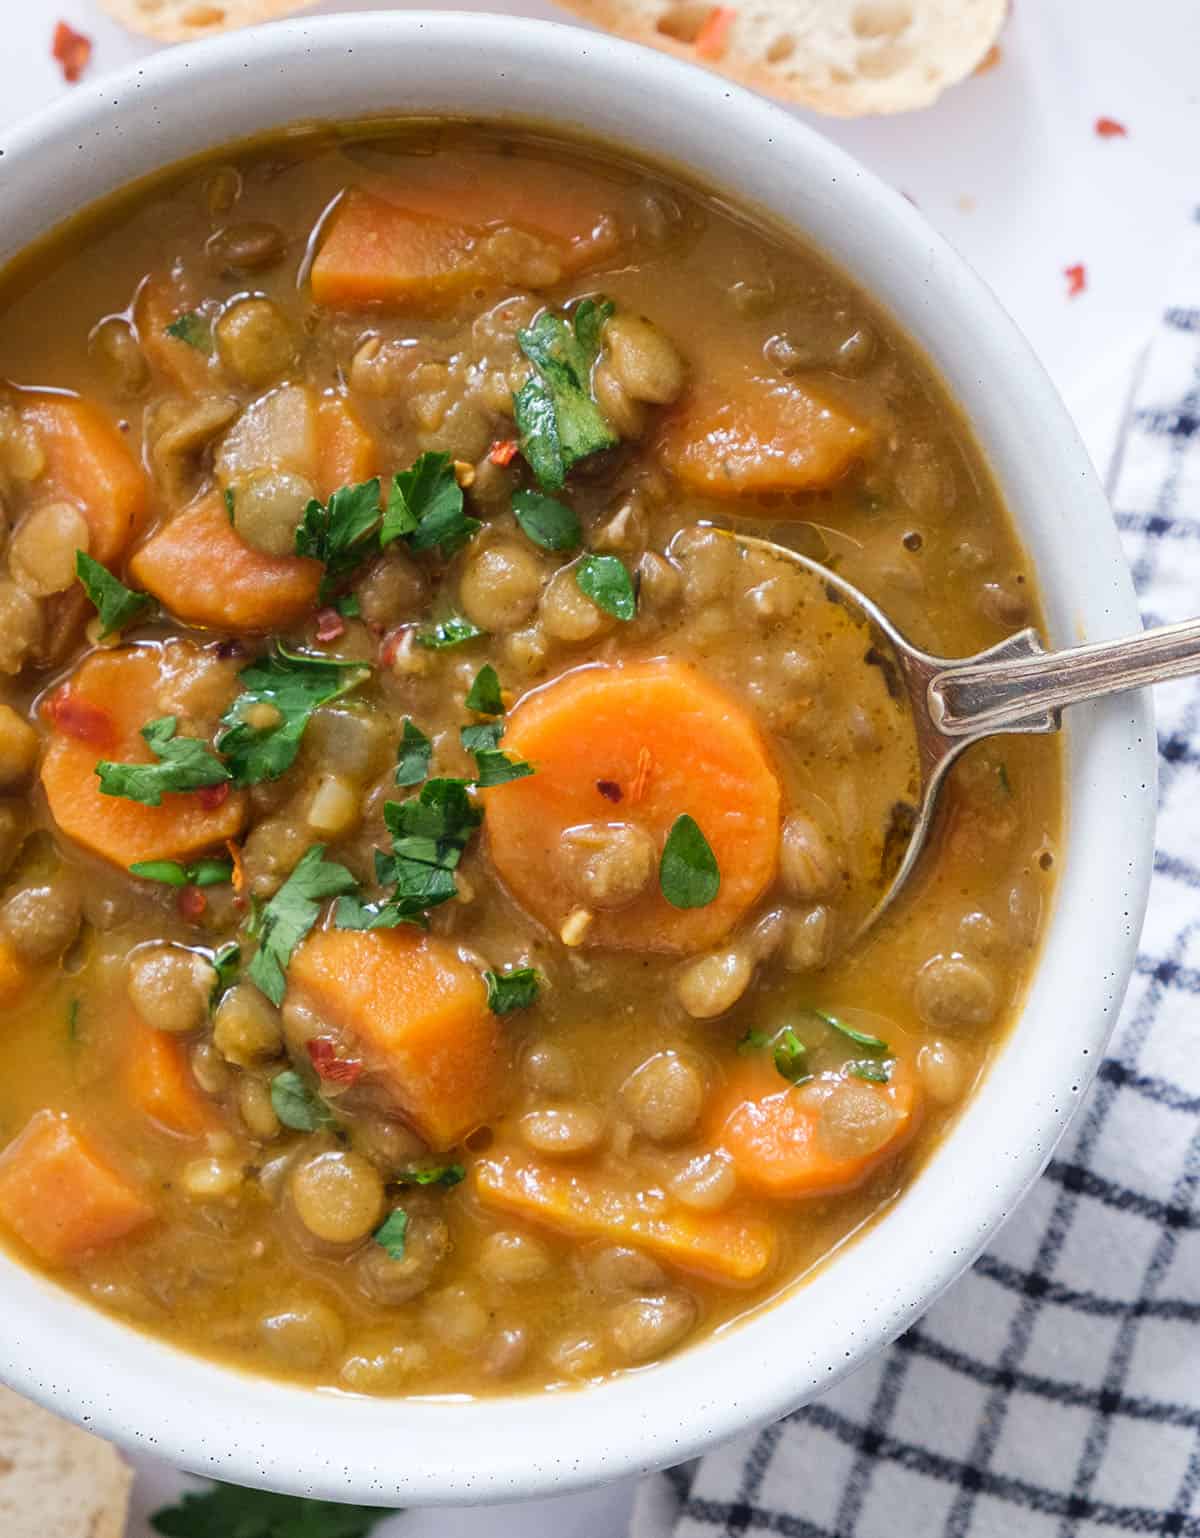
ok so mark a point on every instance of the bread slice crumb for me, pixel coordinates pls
(182, 21)
(57, 1481)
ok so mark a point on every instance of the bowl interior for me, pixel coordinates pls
(214, 1420)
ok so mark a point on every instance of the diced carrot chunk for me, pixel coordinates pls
(123, 683)
(161, 301)
(374, 253)
(16, 975)
(204, 572)
(673, 743)
(346, 452)
(159, 1082)
(416, 1014)
(89, 463)
(750, 436)
(723, 1248)
(61, 1197)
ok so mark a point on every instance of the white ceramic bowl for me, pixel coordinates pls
(217, 1421)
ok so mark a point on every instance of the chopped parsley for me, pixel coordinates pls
(194, 329)
(451, 631)
(230, 501)
(340, 534)
(482, 736)
(425, 507)
(291, 913)
(182, 763)
(492, 767)
(226, 960)
(859, 1038)
(515, 989)
(229, 1511)
(548, 523)
(484, 696)
(292, 685)
(208, 872)
(688, 873)
(296, 1105)
(791, 1058)
(558, 420)
(414, 754)
(752, 1041)
(433, 1175)
(392, 1232)
(875, 1073)
(606, 581)
(116, 604)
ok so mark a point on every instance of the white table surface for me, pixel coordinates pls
(1010, 170)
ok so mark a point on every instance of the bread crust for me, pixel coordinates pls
(183, 21)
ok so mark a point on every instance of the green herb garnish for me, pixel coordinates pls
(515, 989)
(859, 1038)
(451, 631)
(292, 685)
(482, 736)
(1002, 776)
(230, 501)
(688, 873)
(752, 1041)
(558, 420)
(392, 1232)
(116, 604)
(425, 507)
(348, 606)
(434, 1175)
(226, 960)
(209, 872)
(194, 329)
(791, 1058)
(414, 754)
(183, 763)
(484, 694)
(291, 913)
(73, 1033)
(229, 1511)
(298, 1106)
(876, 1073)
(606, 581)
(341, 533)
(548, 523)
(492, 767)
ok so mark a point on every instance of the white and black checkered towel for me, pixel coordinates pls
(1055, 1391)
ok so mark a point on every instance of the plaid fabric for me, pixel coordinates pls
(1055, 1391)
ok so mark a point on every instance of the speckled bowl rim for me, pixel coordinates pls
(218, 1421)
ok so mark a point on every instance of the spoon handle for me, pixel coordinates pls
(975, 699)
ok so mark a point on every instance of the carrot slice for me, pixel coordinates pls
(160, 301)
(200, 568)
(722, 1248)
(346, 452)
(120, 688)
(16, 975)
(772, 1133)
(672, 742)
(416, 1013)
(61, 1197)
(750, 436)
(159, 1082)
(89, 463)
(374, 253)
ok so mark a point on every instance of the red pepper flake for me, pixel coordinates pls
(211, 797)
(504, 451)
(76, 717)
(713, 36)
(329, 1066)
(72, 50)
(990, 60)
(642, 777)
(609, 789)
(1109, 128)
(330, 625)
(1076, 279)
(192, 904)
(390, 649)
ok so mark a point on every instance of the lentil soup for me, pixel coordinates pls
(433, 853)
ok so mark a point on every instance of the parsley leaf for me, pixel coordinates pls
(226, 960)
(688, 873)
(340, 534)
(482, 736)
(451, 631)
(433, 1175)
(425, 506)
(875, 1073)
(484, 694)
(606, 581)
(492, 767)
(229, 1511)
(183, 763)
(557, 417)
(548, 522)
(296, 1105)
(751, 1041)
(392, 1232)
(116, 604)
(292, 684)
(208, 872)
(194, 329)
(414, 754)
(515, 989)
(291, 913)
(859, 1038)
(791, 1058)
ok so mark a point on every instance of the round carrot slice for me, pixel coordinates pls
(98, 714)
(640, 744)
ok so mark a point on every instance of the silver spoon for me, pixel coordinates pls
(1016, 686)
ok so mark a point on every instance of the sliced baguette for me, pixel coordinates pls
(182, 21)
(55, 1480)
(843, 57)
